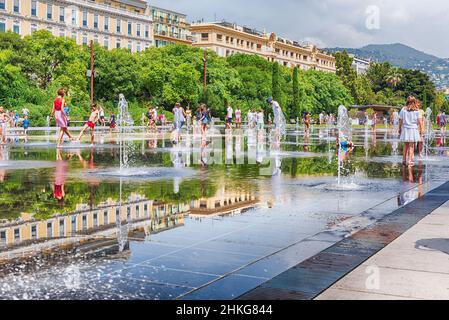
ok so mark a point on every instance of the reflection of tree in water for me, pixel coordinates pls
(36, 194)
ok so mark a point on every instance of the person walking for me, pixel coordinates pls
(102, 119)
(443, 123)
(238, 118)
(279, 118)
(411, 128)
(307, 121)
(229, 115)
(61, 118)
(189, 117)
(4, 119)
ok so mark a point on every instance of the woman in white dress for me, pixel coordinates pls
(411, 128)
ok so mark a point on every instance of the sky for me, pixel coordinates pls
(423, 25)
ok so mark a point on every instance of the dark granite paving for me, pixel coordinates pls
(311, 277)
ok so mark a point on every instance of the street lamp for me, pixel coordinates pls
(205, 69)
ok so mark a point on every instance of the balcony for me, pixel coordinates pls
(162, 20)
(102, 7)
(173, 35)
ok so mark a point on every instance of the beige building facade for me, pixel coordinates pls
(169, 27)
(111, 23)
(89, 222)
(227, 39)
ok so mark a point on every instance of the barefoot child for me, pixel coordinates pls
(112, 122)
(93, 118)
(26, 125)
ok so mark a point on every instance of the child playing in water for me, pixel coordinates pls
(4, 119)
(260, 120)
(26, 125)
(344, 143)
(112, 122)
(93, 118)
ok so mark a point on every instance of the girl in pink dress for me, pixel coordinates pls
(61, 118)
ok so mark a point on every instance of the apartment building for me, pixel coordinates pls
(360, 65)
(111, 23)
(227, 39)
(169, 27)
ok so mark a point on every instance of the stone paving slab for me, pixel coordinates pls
(414, 266)
(325, 273)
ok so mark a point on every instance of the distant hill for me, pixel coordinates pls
(404, 56)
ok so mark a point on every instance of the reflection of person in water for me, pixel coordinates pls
(204, 153)
(408, 176)
(152, 142)
(306, 142)
(60, 173)
(4, 156)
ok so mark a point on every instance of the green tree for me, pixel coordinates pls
(276, 82)
(295, 110)
(394, 77)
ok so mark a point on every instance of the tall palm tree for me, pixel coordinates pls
(394, 78)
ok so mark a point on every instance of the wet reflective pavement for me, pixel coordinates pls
(188, 221)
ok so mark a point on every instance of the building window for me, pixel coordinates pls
(33, 28)
(118, 44)
(84, 216)
(49, 11)
(84, 43)
(61, 32)
(119, 27)
(17, 235)
(34, 8)
(138, 30)
(2, 235)
(49, 230)
(33, 232)
(16, 6)
(73, 222)
(61, 228)
(2, 26)
(84, 18)
(2, 4)
(74, 14)
(130, 28)
(16, 28)
(117, 212)
(139, 47)
(147, 31)
(74, 37)
(204, 36)
(95, 220)
(105, 213)
(96, 21)
(106, 23)
(61, 14)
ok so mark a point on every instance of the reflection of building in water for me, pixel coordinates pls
(145, 216)
(225, 202)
